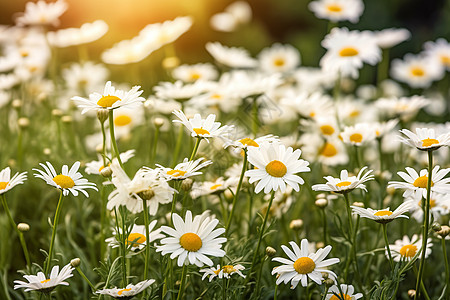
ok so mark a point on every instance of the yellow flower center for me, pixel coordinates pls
(108, 101)
(248, 142)
(445, 60)
(356, 138)
(328, 150)
(304, 265)
(191, 242)
(201, 131)
(432, 203)
(312, 114)
(45, 281)
(123, 290)
(228, 269)
(348, 52)
(276, 168)
(135, 238)
(217, 271)
(195, 76)
(422, 181)
(417, 71)
(176, 173)
(343, 183)
(64, 181)
(215, 187)
(216, 96)
(122, 120)
(383, 213)
(355, 113)
(3, 185)
(345, 297)
(327, 129)
(408, 251)
(334, 8)
(279, 62)
(428, 142)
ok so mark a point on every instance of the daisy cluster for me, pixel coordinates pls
(192, 170)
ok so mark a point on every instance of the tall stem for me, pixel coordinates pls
(197, 143)
(55, 225)
(155, 143)
(255, 117)
(447, 273)
(183, 281)
(113, 138)
(324, 218)
(176, 153)
(426, 223)
(349, 214)
(386, 241)
(19, 233)
(147, 239)
(236, 194)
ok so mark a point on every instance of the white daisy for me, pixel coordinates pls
(302, 264)
(347, 293)
(7, 183)
(330, 152)
(279, 58)
(187, 168)
(360, 134)
(110, 99)
(406, 249)
(383, 215)
(426, 139)
(42, 13)
(159, 34)
(404, 107)
(128, 51)
(203, 128)
(212, 187)
(137, 236)
(275, 166)
(390, 37)
(440, 51)
(191, 73)
(415, 184)
(180, 91)
(235, 14)
(88, 32)
(439, 206)
(348, 50)
(345, 183)
(417, 71)
(40, 283)
(95, 166)
(147, 184)
(85, 77)
(246, 142)
(222, 272)
(129, 291)
(309, 105)
(231, 56)
(67, 181)
(337, 10)
(192, 240)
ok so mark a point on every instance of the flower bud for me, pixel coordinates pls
(66, 119)
(158, 122)
(412, 293)
(47, 151)
(321, 203)
(147, 194)
(57, 112)
(16, 103)
(296, 224)
(358, 204)
(23, 123)
(102, 115)
(186, 185)
(76, 262)
(23, 227)
(445, 230)
(436, 226)
(99, 149)
(171, 62)
(270, 251)
(329, 282)
(228, 194)
(106, 172)
(320, 245)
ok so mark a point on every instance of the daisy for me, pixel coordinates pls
(404, 107)
(128, 51)
(348, 50)
(40, 283)
(439, 206)
(279, 58)
(191, 73)
(222, 272)
(7, 183)
(129, 291)
(126, 119)
(415, 184)
(136, 236)
(95, 167)
(309, 105)
(417, 71)
(231, 56)
(361, 133)
(246, 142)
(390, 37)
(180, 91)
(384, 215)
(85, 77)
(192, 240)
(110, 99)
(187, 168)
(345, 184)
(235, 14)
(302, 264)
(160, 34)
(425, 139)
(275, 166)
(87, 33)
(330, 152)
(203, 128)
(337, 10)
(440, 51)
(67, 181)
(147, 185)
(347, 291)
(42, 13)
(406, 249)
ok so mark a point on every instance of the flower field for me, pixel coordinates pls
(129, 173)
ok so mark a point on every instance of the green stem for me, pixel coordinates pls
(324, 218)
(55, 225)
(426, 223)
(113, 138)
(261, 233)
(276, 292)
(124, 248)
(102, 124)
(383, 68)
(183, 281)
(85, 278)
(357, 160)
(147, 238)
(255, 119)
(236, 194)
(197, 143)
(155, 143)
(350, 233)
(224, 288)
(19, 233)
(176, 153)
(349, 214)
(326, 291)
(386, 241)
(447, 273)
